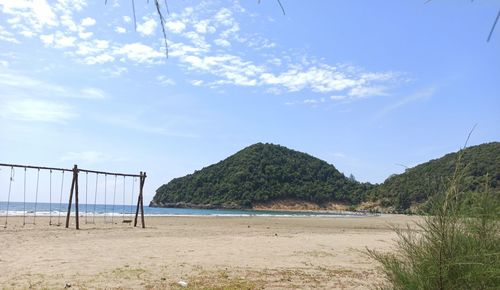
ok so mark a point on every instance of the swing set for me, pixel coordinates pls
(74, 192)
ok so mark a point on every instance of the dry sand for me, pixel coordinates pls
(206, 252)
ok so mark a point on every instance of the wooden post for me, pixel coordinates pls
(140, 201)
(75, 177)
(77, 216)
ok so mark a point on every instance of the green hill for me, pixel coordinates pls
(480, 165)
(264, 173)
(261, 173)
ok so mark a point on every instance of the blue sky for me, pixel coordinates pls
(364, 85)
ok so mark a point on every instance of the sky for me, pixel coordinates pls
(368, 86)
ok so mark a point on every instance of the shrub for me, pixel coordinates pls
(456, 247)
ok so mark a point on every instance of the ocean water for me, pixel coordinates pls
(46, 209)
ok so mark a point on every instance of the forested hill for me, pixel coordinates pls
(480, 165)
(262, 173)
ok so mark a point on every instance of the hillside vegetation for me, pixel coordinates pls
(261, 173)
(480, 165)
(264, 173)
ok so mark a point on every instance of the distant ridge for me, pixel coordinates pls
(480, 165)
(268, 173)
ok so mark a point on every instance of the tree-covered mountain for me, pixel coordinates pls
(479, 165)
(262, 173)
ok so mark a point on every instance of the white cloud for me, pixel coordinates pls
(165, 81)
(67, 21)
(62, 41)
(222, 42)
(175, 26)
(224, 16)
(38, 13)
(139, 52)
(116, 71)
(368, 91)
(231, 68)
(203, 27)
(181, 50)
(337, 98)
(339, 155)
(233, 30)
(27, 33)
(321, 79)
(93, 93)
(101, 44)
(47, 39)
(191, 44)
(310, 101)
(120, 29)
(197, 39)
(85, 35)
(37, 110)
(98, 59)
(88, 48)
(197, 82)
(88, 21)
(147, 27)
(7, 36)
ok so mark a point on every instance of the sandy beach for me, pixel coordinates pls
(205, 252)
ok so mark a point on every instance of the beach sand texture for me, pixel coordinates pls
(205, 252)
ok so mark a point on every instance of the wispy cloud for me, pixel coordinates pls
(92, 93)
(37, 110)
(16, 85)
(338, 155)
(7, 36)
(422, 94)
(165, 81)
(202, 39)
(133, 122)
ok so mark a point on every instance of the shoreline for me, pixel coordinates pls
(213, 212)
(285, 205)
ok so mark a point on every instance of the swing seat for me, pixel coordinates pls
(126, 221)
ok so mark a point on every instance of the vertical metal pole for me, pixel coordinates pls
(71, 196)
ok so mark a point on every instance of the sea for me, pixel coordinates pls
(56, 209)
